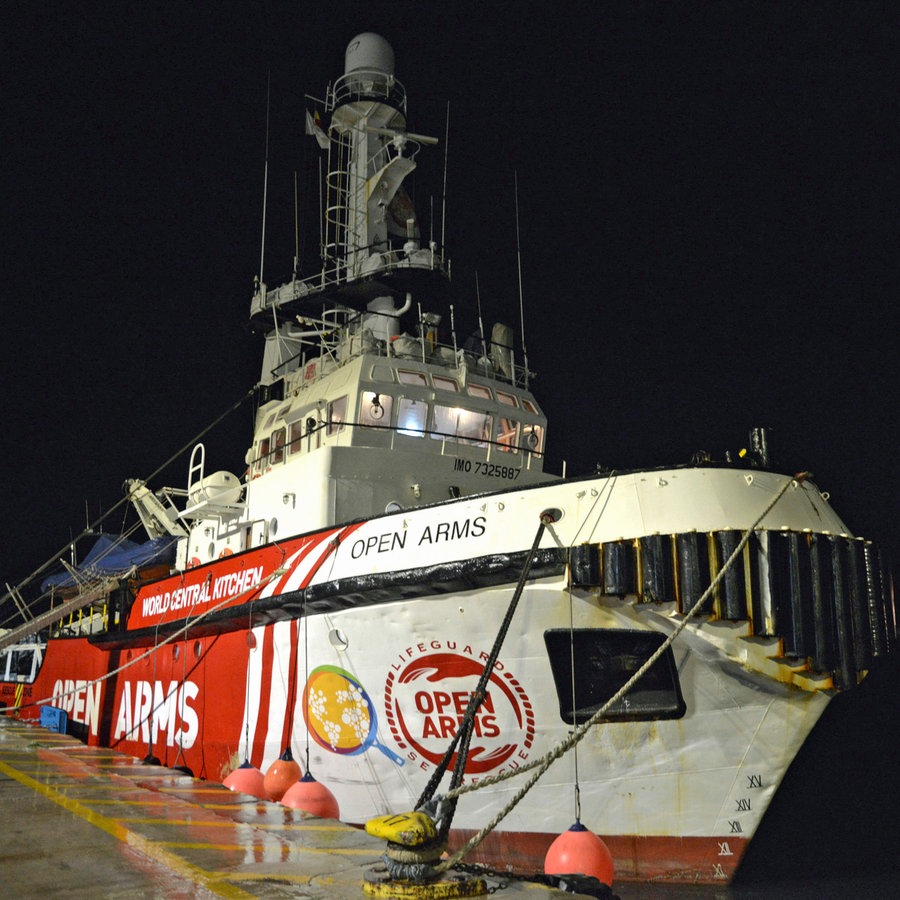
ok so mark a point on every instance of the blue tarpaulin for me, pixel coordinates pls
(112, 555)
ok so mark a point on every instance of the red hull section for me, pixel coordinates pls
(693, 860)
(188, 726)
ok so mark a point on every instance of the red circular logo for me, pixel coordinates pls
(425, 700)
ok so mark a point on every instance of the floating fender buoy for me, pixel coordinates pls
(312, 797)
(284, 772)
(246, 779)
(579, 851)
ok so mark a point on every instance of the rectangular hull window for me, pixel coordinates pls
(604, 660)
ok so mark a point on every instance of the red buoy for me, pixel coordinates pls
(284, 772)
(580, 852)
(246, 779)
(312, 797)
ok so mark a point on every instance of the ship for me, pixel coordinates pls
(393, 590)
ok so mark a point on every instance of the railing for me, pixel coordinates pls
(449, 442)
(367, 84)
(348, 344)
(89, 594)
(335, 275)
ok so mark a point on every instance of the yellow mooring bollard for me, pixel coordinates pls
(413, 850)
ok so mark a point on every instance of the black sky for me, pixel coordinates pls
(708, 200)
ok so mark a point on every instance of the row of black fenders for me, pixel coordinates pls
(827, 597)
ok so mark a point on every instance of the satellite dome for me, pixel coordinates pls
(369, 51)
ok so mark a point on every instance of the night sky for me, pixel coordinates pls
(708, 200)
(708, 197)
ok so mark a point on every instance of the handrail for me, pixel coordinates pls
(367, 84)
(510, 452)
(101, 589)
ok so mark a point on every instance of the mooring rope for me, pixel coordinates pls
(464, 732)
(192, 623)
(92, 526)
(544, 762)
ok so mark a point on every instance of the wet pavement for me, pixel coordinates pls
(90, 822)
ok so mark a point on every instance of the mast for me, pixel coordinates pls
(371, 243)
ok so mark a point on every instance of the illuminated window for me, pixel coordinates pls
(508, 399)
(453, 423)
(508, 435)
(262, 456)
(417, 378)
(337, 414)
(411, 415)
(529, 406)
(375, 409)
(277, 447)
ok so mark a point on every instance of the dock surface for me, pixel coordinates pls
(90, 822)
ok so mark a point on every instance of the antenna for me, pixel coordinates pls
(484, 353)
(521, 298)
(453, 332)
(296, 229)
(322, 217)
(262, 249)
(444, 198)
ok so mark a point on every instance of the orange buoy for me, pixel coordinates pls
(281, 775)
(312, 797)
(580, 852)
(246, 779)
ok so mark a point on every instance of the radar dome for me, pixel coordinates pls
(369, 51)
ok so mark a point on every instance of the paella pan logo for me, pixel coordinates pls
(425, 698)
(340, 714)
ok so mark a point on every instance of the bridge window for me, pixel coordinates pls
(411, 415)
(296, 444)
(508, 435)
(445, 384)
(533, 438)
(453, 423)
(337, 414)
(278, 446)
(479, 390)
(508, 399)
(262, 457)
(375, 409)
(416, 378)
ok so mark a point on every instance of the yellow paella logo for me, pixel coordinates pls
(340, 714)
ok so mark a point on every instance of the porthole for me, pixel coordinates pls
(338, 639)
